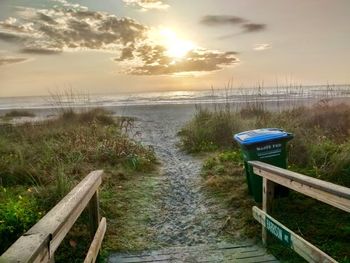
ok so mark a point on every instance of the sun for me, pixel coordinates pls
(176, 47)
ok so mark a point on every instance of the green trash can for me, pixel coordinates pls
(265, 145)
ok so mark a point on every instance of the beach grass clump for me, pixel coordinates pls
(320, 149)
(19, 113)
(320, 143)
(51, 157)
(209, 130)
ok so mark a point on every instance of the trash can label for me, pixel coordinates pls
(269, 150)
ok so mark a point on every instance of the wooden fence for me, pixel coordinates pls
(41, 241)
(332, 194)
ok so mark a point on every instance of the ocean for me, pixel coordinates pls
(242, 95)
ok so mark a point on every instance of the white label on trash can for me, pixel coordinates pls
(269, 150)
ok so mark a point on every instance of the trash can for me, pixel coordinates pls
(265, 145)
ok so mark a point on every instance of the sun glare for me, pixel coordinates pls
(175, 47)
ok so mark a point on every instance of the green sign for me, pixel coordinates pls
(279, 232)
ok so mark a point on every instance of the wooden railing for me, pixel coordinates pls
(332, 194)
(41, 241)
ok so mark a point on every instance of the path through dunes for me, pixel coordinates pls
(188, 225)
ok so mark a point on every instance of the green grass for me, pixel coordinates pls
(131, 206)
(40, 164)
(320, 149)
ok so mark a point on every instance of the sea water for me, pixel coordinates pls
(236, 95)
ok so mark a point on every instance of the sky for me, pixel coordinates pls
(122, 46)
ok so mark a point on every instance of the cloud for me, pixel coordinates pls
(215, 20)
(11, 60)
(147, 4)
(156, 62)
(252, 27)
(261, 47)
(67, 4)
(221, 20)
(56, 30)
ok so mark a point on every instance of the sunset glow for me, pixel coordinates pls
(161, 45)
(175, 46)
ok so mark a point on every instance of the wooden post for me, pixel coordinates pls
(94, 214)
(96, 243)
(268, 195)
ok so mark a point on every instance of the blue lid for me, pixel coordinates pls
(261, 135)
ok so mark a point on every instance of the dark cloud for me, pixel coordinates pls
(40, 51)
(11, 60)
(46, 18)
(252, 27)
(213, 20)
(156, 62)
(244, 24)
(147, 4)
(11, 37)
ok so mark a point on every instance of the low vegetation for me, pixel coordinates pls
(320, 149)
(19, 113)
(39, 164)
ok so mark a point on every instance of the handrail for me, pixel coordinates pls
(328, 187)
(326, 192)
(329, 193)
(40, 242)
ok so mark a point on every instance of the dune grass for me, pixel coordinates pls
(320, 149)
(19, 113)
(40, 163)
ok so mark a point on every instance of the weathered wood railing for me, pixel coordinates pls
(332, 194)
(41, 241)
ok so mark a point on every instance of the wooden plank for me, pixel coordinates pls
(96, 243)
(332, 194)
(268, 195)
(53, 227)
(199, 253)
(94, 214)
(305, 249)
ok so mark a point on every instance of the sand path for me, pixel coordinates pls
(185, 217)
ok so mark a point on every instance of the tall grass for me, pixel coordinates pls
(320, 148)
(321, 132)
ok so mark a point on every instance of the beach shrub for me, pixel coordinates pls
(53, 156)
(17, 213)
